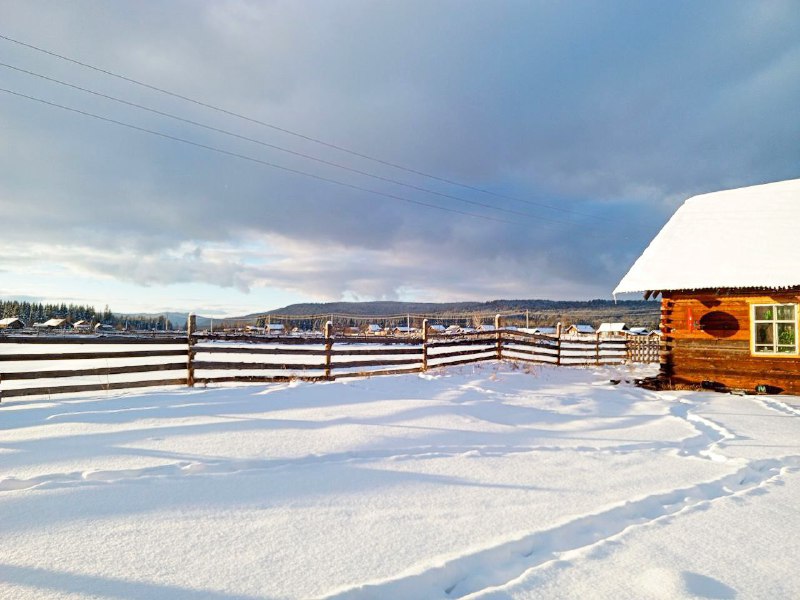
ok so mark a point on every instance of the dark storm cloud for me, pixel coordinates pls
(616, 110)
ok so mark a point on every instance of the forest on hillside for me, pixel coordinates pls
(37, 312)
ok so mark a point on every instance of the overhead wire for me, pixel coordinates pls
(289, 131)
(253, 159)
(276, 147)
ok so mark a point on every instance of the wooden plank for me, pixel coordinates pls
(191, 321)
(259, 339)
(228, 366)
(523, 352)
(373, 363)
(567, 343)
(258, 379)
(91, 387)
(760, 365)
(245, 366)
(300, 341)
(552, 347)
(90, 355)
(306, 351)
(459, 353)
(524, 334)
(328, 348)
(432, 345)
(88, 339)
(376, 352)
(377, 373)
(460, 350)
(474, 334)
(255, 350)
(454, 363)
(515, 343)
(425, 335)
(525, 360)
(94, 371)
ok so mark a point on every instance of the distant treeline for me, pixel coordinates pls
(36, 312)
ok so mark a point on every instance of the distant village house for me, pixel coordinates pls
(52, 324)
(612, 329)
(12, 323)
(578, 329)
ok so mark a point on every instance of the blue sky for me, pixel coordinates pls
(589, 123)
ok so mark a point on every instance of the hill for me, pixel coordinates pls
(539, 312)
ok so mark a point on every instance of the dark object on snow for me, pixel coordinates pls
(713, 385)
(763, 388)
(654, 384)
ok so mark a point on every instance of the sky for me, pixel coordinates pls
(451, 150)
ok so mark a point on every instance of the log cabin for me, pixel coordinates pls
(727, 267)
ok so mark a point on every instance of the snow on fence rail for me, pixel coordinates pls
(54, 364)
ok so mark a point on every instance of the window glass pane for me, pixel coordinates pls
(764, 313)
(786, 334)
(764, 333)
(786, 349)
(785, 313)
(763, 348)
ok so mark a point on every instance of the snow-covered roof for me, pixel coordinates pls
(745, 237)
(542, 330)
(581, 328)
(51, 323)
(639, 330)
(611, 327)
(10, 320)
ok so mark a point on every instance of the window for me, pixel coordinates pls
(774, 328)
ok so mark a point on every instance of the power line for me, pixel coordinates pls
(276, 147)
(252, 159)
(289, 131)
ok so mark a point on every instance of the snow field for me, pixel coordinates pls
(485, 480)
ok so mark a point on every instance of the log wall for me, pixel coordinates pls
(706, 338)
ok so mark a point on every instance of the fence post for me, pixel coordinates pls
(328, 348)
(597, 347)
(425, 344)
(191, 322)
(558, 343)
(499, 343)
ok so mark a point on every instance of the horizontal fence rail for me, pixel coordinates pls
(56, 364)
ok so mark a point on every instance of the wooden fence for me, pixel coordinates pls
(57, 364)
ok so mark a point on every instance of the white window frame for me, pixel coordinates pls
(775, 322)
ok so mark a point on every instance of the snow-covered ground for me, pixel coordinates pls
(482, 481)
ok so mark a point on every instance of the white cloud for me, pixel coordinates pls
(619, 112)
